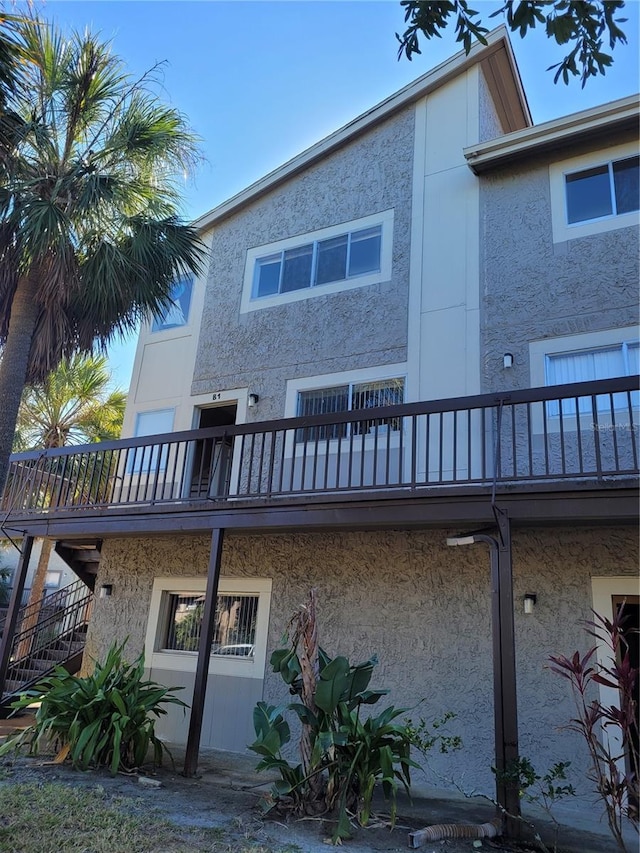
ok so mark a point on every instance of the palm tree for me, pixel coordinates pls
(90, 238)
(74, 405)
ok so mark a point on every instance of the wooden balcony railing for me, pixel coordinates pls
(579, 432)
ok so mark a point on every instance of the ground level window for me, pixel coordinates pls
(235, 623)
(350, 397)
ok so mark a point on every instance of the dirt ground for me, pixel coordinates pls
(227, 795)
(219, 798)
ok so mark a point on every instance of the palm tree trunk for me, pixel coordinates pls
(35, 596)
(14, 365)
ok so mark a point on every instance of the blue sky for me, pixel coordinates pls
(261, 81)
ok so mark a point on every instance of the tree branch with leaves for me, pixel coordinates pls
(587, 29)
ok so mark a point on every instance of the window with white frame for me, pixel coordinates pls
(141, 460)
(608, 189)
(606, 362)
(239, 644)
(353, 396)
(339, 257)
(176, 313)
(594, 193)
(235, 623)
(320, 262)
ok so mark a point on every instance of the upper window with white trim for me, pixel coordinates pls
(321, 262)
(610, 189)
(341, 257)
(596, 192)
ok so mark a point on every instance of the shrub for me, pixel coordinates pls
(104, 719)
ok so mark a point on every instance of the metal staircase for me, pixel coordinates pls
(49, 633)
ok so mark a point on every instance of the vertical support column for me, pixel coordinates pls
(14, 606)
(204, 652)
(502, 597)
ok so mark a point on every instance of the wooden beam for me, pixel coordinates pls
(204, 654)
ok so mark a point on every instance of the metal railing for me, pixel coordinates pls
(47, 633)
(579, 432)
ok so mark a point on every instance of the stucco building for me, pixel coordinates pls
(442, 255)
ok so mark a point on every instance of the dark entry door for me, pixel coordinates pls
(212, 457)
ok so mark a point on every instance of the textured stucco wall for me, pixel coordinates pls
(354, 329)
(532, 289)
(490, 125)
(422, 607)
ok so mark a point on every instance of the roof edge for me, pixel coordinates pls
(497, 41)
(593, 122)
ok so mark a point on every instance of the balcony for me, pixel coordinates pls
(567, 438)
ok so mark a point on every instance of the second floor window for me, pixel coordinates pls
(351, 397)
(319, 262)
(610, 189)
(588, 365)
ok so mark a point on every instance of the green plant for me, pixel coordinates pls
(104, 719)
(545, 791)
(344, 753)
(426, 736)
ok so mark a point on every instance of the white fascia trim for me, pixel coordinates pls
(345, 377)
(538, 350)
(186, 661)
(433, 79)
(384, 218)
(576, 124)
(562, 230)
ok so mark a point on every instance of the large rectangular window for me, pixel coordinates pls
(610, 189)
(353, 396)
(320, 262)
(235, 623)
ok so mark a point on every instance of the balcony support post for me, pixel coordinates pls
(11, 620)
(204, 654)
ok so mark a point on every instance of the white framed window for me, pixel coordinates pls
(241, 623)
(141, 460)
(341, 257)
(594, 193)
(583, 358)
(52, 579)
(586, 365)
(176, 314)
(353, 396)
(610, 189)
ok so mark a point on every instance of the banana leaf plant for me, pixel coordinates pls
(350, 750)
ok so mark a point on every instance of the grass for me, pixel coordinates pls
(53, 817)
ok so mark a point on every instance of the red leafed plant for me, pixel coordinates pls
(610, 731)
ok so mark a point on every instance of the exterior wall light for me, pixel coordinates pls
(252, 401)
(105, 590)
(507, 360)
(530, 599)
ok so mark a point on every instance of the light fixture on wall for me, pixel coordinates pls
(105, 590)
(530, 599)
(507, 360)
(252, 400)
